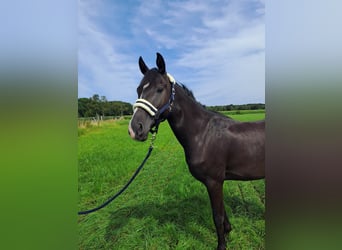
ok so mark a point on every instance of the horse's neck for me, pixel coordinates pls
(187, 117)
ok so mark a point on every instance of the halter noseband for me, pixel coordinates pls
(153, 111)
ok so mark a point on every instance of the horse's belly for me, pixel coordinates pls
(246, 171)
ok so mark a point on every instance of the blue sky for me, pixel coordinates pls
(215, 48)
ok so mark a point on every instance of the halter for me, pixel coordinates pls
(153, 111)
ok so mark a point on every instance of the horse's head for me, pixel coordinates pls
(155, 96)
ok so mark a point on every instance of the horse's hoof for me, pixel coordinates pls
(227, 228)
(221, 248)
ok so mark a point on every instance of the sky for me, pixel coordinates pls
(216, 48)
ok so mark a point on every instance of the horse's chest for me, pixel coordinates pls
(200, 164)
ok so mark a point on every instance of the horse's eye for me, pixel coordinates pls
(159, 90)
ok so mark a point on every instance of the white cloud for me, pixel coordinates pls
(103, 68)
(215, 47)
(225, 54)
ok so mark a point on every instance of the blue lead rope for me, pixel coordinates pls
(122, 189)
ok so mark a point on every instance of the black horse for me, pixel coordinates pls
(216, 147)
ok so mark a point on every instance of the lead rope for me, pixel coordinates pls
(128, 183)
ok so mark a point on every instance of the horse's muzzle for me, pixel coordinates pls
(140, 126)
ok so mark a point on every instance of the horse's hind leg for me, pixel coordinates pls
(215, 191)
(226, 223)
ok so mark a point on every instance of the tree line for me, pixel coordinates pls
(99, 106)
(249, 106)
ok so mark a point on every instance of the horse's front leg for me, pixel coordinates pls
(215, 191)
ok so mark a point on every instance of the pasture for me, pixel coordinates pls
(165, 207)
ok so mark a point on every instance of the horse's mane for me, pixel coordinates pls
(191, 95)
(187, 91)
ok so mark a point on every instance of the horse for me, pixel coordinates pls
(216, 147)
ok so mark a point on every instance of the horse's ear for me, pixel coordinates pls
(142, 66)
(161, 64)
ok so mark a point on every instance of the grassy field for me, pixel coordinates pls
(165, 207)
(246, 115)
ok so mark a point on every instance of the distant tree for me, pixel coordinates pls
(99, 106)
(83, 106)
(96, 98)
(237, 107)
(103, 99)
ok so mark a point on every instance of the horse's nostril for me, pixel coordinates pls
(140, 127)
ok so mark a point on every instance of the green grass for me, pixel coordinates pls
(246, 115)
(165, 207)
